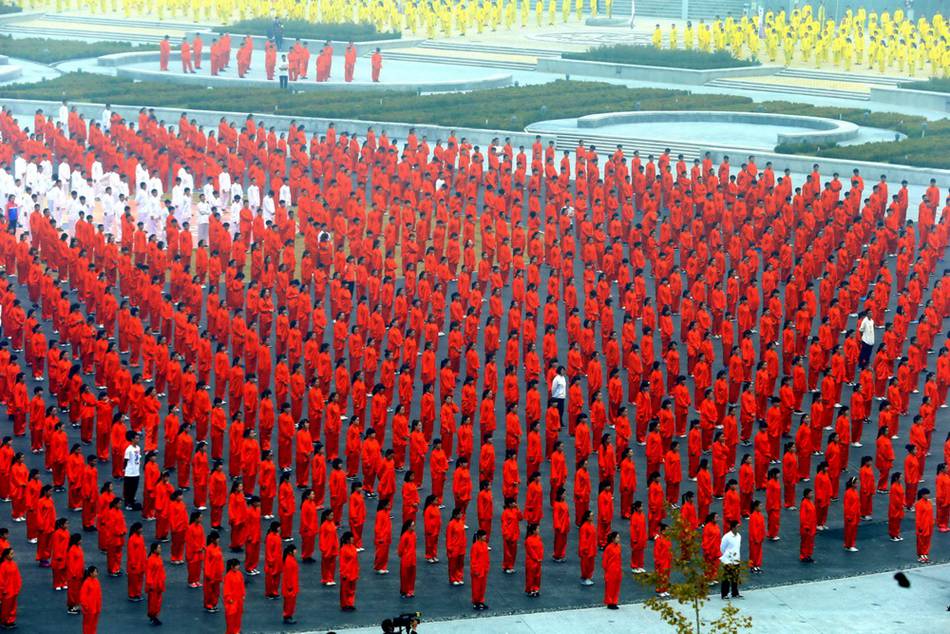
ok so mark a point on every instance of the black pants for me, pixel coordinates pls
(730, 580)
(559, 404)
(865, 354)
(283, 82)
(130, 487)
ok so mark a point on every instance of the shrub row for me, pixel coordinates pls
(49, 51)
(934, 84)
(7, 8)
(293, 29)
(650, 56)
(510, 108)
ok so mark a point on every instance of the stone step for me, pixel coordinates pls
(456, 61)
(696, 9)
(790, 90)
(487, 48)
(877, 80)
(59, 34)
(123, 22)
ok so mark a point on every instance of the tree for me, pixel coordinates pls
(690, 592)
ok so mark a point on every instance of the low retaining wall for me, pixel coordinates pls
(9, 72)
(661, 74)
(208, 81)
(820, 130)
(912, 98)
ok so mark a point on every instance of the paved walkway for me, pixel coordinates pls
(869, 603)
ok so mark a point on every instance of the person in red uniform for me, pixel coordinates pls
(164, 53)
(376, 63)
(10, 585)
(213, 572)
(290, 584)
(479, 567)
(155, 582)
(407, 559)
(923, 524)
(234, 593)
(662, 560)
(533, 557)
(135, 562)
(807, 525)
(349, 572)
(90, 599)
(613, 574)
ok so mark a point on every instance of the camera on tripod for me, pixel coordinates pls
(405, 622)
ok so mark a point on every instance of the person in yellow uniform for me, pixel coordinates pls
(674, 37)
(688, 36)
(657, 38)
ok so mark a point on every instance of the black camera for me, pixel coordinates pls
(405, 622)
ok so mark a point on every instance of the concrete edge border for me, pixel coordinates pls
(819, 129)
(661, 74)
(500, 80)
(910, 97)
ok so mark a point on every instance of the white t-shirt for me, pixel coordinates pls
(133, 461)
(867, 331)
(730, 546)
(559, 387)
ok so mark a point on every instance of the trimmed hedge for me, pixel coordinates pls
(934, 84)
(293, 29)
(510, 108)
(49, 51)
(6, 9)
(650, 56)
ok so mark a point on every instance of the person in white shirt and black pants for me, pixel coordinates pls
(731, 548)
(866, 327)
(132, 470)
(558, 392)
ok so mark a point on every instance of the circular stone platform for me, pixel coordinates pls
(713, 128)
(397, 75)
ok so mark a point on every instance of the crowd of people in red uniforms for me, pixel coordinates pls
(285, 370)
(297, 58)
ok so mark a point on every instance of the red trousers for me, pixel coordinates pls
(307, 543)
(807, 547)
(232, 619)
(636, 557)
(194, 570)
(755, 554)
(8, 610)
(407, 578)
(532, 576)
(850, 532)
(347, 592)
(587, 567)
(509, 554)
(560, 545)
(456, 568)
(923, 544)
(212, 590)
(612, 589)
(90, 622)
(290, 605)
(135, 584)
(154, 603)
(327, 568)
(252, 555)
(479, 583)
